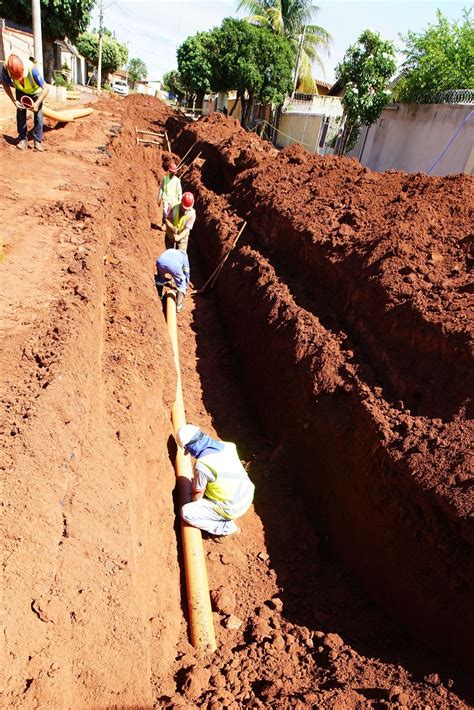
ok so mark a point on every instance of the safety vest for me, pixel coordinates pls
(232, 491)
(29, 86)
(179, 222)
(171, 190)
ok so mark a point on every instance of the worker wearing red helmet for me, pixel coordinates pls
(171, 191)
(179, 223)
(30, 87)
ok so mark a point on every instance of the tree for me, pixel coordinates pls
(364, 72)
(193, 64)
(136, 71)
(292, 19)
(114, 53)
(438, 59)
(253, 61)
(172, 82)
(59, 19)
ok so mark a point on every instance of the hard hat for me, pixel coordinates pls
(186, 433)
(172, 168)
(15, 67)
(187, 200)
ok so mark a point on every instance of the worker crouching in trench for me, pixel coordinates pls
(172, 268)
(221, 488)
(179, 223)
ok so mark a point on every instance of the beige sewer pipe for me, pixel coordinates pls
(199, 603)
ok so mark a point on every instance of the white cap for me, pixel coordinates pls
(186, 433)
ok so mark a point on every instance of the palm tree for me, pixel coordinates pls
(292, 19)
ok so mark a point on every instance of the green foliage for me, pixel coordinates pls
(438, 59)
(60, 80)
(238, 56)
(59, 18)
(172, 82)
(114, 53)
(292, 19)
(365, 72)
(136, 70)
(193, 65)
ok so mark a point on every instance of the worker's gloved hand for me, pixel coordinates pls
(36, 106)
(19, 105)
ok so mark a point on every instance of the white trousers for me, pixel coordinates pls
(201, 514)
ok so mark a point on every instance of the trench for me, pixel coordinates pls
(315, 348)
(335, 580)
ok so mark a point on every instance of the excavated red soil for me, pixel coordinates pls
(344, 384)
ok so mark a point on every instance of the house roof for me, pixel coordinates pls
(326, 84)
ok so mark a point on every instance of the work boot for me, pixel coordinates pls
(179, 301)
(223, 538)
(22, 144)
(39, 146)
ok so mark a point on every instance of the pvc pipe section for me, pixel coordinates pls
(199, 603)
(66, 115)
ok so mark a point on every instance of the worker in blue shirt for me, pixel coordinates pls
(173, 265)
(31, 88)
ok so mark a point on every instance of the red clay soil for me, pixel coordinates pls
(358, 285)
(93, 587)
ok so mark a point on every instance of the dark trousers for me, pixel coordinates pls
(21, 120)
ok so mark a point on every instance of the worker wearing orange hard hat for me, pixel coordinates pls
(30, 92)
(179, 223)
(171, 191)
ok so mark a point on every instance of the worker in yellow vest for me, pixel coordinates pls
(180, 222)
(171, 191)
(30, 89)
(221, 489)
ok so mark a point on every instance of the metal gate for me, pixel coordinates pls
(331, 129)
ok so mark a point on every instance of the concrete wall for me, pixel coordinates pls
(411, 137)
(301, 128)
(15, 42)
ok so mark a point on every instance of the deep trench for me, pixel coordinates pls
(290, 342)
(323, 592)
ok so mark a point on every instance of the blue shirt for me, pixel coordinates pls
(176, 263)
(36, 76)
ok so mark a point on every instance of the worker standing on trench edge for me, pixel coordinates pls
(30, 87)
(221, 490)
(179, 223)
(170, 192)
(173, 264)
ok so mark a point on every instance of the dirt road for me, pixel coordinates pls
(94, 591)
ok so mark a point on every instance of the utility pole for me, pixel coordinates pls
(37, 37)
(99, 65)
(297, 68)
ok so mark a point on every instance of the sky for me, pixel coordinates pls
(154, 29)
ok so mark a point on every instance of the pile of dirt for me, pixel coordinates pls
(359, 285)
(94, 592)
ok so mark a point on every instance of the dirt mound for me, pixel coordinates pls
(93, 589)
(358, 284)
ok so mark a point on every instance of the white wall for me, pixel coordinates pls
(15, 42)
(301, 128)
(411, 137)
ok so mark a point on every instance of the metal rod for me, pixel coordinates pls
(213, 277)
(190, 165)
(186, 155)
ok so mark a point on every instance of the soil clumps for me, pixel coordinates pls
(352, 459)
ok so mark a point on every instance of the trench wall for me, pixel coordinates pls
(326, 358)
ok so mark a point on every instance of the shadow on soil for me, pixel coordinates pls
(316, 590)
